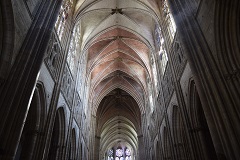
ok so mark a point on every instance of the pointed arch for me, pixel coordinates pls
(58, 135)
(180, 138)
(203, 144)
(29, 145)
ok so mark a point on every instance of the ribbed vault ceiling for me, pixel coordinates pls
(118, 39)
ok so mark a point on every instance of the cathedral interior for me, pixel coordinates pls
(120, 80)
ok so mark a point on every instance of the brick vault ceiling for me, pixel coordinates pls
(118, 38)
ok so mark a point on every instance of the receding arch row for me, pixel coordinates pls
(140, 101)
(136, 78)
(114, 132)
(143, 59)
(110, 136)
(138, 36)
(111, 68)
(136, 83)
(99, 60)
(127, 45)
(143, 7)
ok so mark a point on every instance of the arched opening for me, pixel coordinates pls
(28, 145)
(202, 138)
(180, 139)
(58, 135)
(118, 126)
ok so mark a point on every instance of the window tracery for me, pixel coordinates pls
(160, 46)
(163, 59)
(119, 154)
(110, 154)
(128, 154)
(63, 15)
(169, 19)
(155, 73)
(72, 58)
(53, 55)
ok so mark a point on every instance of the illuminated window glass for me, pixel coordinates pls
(154, 69)
(63, 15)
(169, 19)
(128, 154)
(163, 59)
(73, 50)
(110, 154)
(161, 50)
(119, 152)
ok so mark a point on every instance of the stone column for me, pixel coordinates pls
(217, 101)
(17, 90)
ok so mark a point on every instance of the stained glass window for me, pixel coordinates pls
(119, 152)
(110, 154)
(128, 154)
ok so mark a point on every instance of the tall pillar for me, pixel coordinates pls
(210, 82)
(17, 90)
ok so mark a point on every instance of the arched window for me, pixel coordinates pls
(110, 154)
(128, 154)
(169, 19)
(163, 57)
(64, 12)
(119, 154)
(72, 58)
(161, 49)
(150, 89)
(155, 74)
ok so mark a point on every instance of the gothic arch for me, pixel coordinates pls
(29, 144)
(227, 36)
(199, 129)
(58, 136)
(215, 66)
(118, 121)
(180, 139)
(227, 33)
(6, 37)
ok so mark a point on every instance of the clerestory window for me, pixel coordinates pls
(63, 15)
(169, 20)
